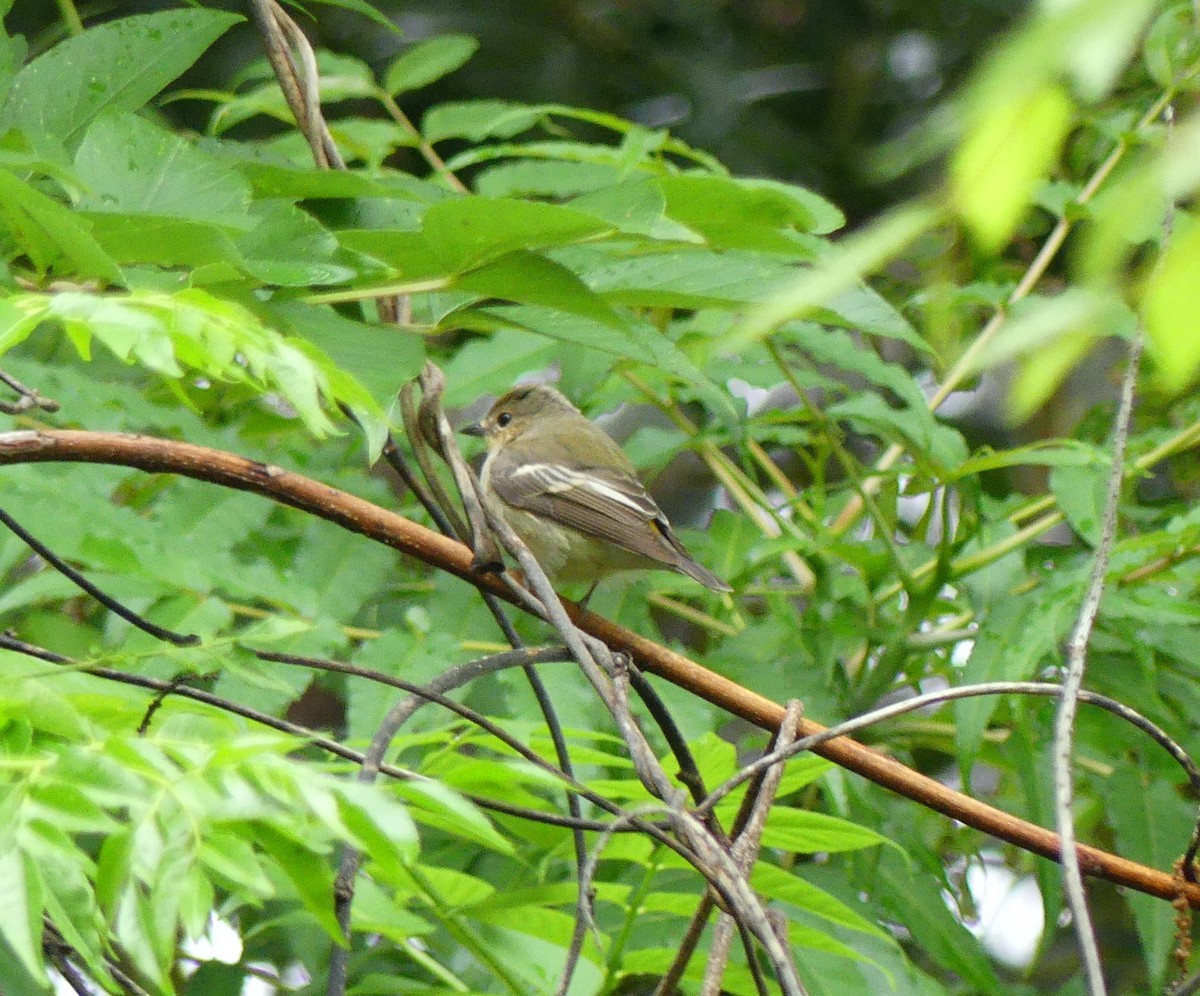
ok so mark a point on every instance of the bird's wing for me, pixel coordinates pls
(608, 504)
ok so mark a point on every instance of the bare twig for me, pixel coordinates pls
(1188, 987)
(28, 397)
(59, 953)
(110, 603)
(745, 851)
(1042, 689)
(427, 151)
(438, 496)
(1064, 727)
(434, 428)
(300, 84)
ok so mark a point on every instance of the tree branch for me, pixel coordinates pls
(360, 516)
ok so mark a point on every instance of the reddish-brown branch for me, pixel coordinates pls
(166, 456)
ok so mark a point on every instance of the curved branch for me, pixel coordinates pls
(360, 516)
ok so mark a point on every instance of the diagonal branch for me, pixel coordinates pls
(360, 516)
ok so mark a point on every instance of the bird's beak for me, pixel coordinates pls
(474, 429)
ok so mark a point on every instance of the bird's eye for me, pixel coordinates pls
(503, 419)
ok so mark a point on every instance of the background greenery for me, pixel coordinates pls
(174, 265)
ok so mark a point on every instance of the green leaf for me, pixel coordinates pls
(1060, 453)
(408, 253)
(808, 832)
(440, 806)
(233, 859)
(1081, 492)
(71, 905)
(122, 64)
(366, 9)
(129, 164)
(1152, 825)
(215, 976)
(53, 237)
(13, 51)
(530, 278)
(377, 912)
(636, 340)
(166, 332)
(547, 178)
(838, 271)
(456, 889)
(913, 898)
(1036, 322)
(468, 231)
(636, 207)
(340, 77)
(428, 61)
(21, 923)
(1004, 157)
(134, 930)
(838, 349)
(1169, 306)
(477, 120)
(1100, 50)
(747, 214)
(491, 364)
(1171, 46)
(308, 872)
(289, 247)
(1010, 645)
(1041, 375)
(928, 439)
(166, 242)
(683, 277)
(865, 310)
(379, 357)
(777, 884)
(382, 827)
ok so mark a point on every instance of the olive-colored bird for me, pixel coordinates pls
(567, 489)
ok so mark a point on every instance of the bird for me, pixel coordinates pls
(572, 495)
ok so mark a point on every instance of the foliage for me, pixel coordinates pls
(220, 289)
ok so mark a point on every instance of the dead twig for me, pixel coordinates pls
(27, 398)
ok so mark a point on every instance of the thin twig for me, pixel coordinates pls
(746, 848)
(29, 398)
(62, 963)
(1077, 648)
(1188, 987)
(686, 948)
(427, 151)
(61, 952)
(110, 603)
(371, 760)
(1041, 689)
(448, 518)
(300, 84)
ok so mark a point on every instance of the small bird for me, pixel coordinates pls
(568, 490)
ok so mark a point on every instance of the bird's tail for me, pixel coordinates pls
(698, 572)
